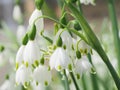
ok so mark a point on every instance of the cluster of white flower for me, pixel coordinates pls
(31, 58)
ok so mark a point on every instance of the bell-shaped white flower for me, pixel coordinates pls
(86, 2)
(7, 85)
(37, 87)
(59, 59)
(42, 75)
(17, 14)
(39, 23)
(31, 52)
(2, 58)
(20, 33)
(23, 75)
(82, 65)
(19, 55)
(66, 38)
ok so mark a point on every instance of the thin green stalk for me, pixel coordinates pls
(66, 80)
(84, 83)
(115, 29)
(74, 80)
(94, 42)
(93, 76)
(79, 6)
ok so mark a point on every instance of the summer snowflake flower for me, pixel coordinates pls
(17, 14)
(31, 52)
(39, 23)
(59, 59)
(82, 65)
(20, 32)
(86, 2)
(42, 75)
(23, 75)
(19, 55)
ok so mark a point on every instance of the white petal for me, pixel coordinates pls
(59, 58)
(39, 23)
(82, 65)
(23, 74)
(42, 75)
(17, 15)
(31, 52)
(20, 33)
(19, 55)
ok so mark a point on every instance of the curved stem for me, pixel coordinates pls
(74, 80)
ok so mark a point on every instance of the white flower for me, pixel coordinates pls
(7, 85)
(2, 58)
(20, 32)
(86, 2)
(17, 14)
(42, 75)
(59, 59)
(19, 55)
(39, 23)
(31, 52)
(82, 65)
(66, 38)
(37, 87)
(23, 74)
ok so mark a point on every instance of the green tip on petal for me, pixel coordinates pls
(70, 67)
(46, 83)
(93, 70)
(42, 60)
(78, 54)
(17, 65)
(26, 64)
(59, 67)
(36, 63)
(2, 48)
(78, 76)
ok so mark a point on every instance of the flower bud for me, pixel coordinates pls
(78, 54)
(39, 4)
(59, 42)
(32, 32)
(25, 39)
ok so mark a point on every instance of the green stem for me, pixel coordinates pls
(66, 81)
(115, 30)
(94, 42)
(84, 83)
(93, 76)
(74, 80)
(79, 6)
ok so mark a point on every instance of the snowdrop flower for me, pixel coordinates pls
(59, 59)
(20, 32)
(82, 66)
(17, 14)
(31, 52)
(66, 38)
(2, 58)
(86, 2)
(19, 55)
(7, 85)
(42, 75)
(23, 75)
(39, 23)
(37, 87)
